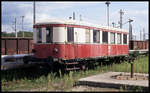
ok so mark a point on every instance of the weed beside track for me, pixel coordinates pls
(38, 78)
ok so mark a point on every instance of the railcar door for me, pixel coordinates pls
(71, 47)
(76, 45)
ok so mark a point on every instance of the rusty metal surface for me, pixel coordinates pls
(12, 45)
(2, 47)
(135, 44)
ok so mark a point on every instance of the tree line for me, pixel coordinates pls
(20, 34)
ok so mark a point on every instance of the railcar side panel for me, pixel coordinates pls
(42, 51)
(46, 50)
(122, 49)
(113, 50)
(69, 51)
(72, 51)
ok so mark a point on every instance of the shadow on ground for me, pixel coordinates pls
(32, 72)
(37, 71)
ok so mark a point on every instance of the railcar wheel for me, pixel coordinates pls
(83, 67)
(25, 60)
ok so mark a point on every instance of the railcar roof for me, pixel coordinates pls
(75, 22)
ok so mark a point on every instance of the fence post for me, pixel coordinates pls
(132, 67)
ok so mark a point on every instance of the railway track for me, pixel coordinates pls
(16, 61)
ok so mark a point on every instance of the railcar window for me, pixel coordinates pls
(49, 35)
(105, 37)
(112, 38)
(96, 36)
(118, 38)
(39, 35)
(124, 38)
(70, 34)
(87, 35)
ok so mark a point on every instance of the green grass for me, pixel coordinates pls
(140, 66)
(40, 80)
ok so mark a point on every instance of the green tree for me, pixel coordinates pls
(20, 34)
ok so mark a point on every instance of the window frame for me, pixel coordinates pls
(87, 35)
(96, 38)
(103, 37)
(50, 29)
(39, 35)
(70, 34)
(111, 38)
(120, 38)
(125, 38)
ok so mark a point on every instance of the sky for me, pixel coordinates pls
(93, 12)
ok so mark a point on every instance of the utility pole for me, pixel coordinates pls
(140, 35)
(113, 24)
(80, 17)
(121, 13)
(34, 13)
(22, 25)
(73, 15)
(130, 29)
(16, 27)
(107, 3)
(143, 34)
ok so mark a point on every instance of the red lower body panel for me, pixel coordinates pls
(72, 51)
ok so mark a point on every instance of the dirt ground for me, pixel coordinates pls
(87, 88)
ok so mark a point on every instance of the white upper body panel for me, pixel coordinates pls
(75, 22)
(60, 33)
(79, 35)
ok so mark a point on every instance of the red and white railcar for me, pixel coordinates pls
(70, 39)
